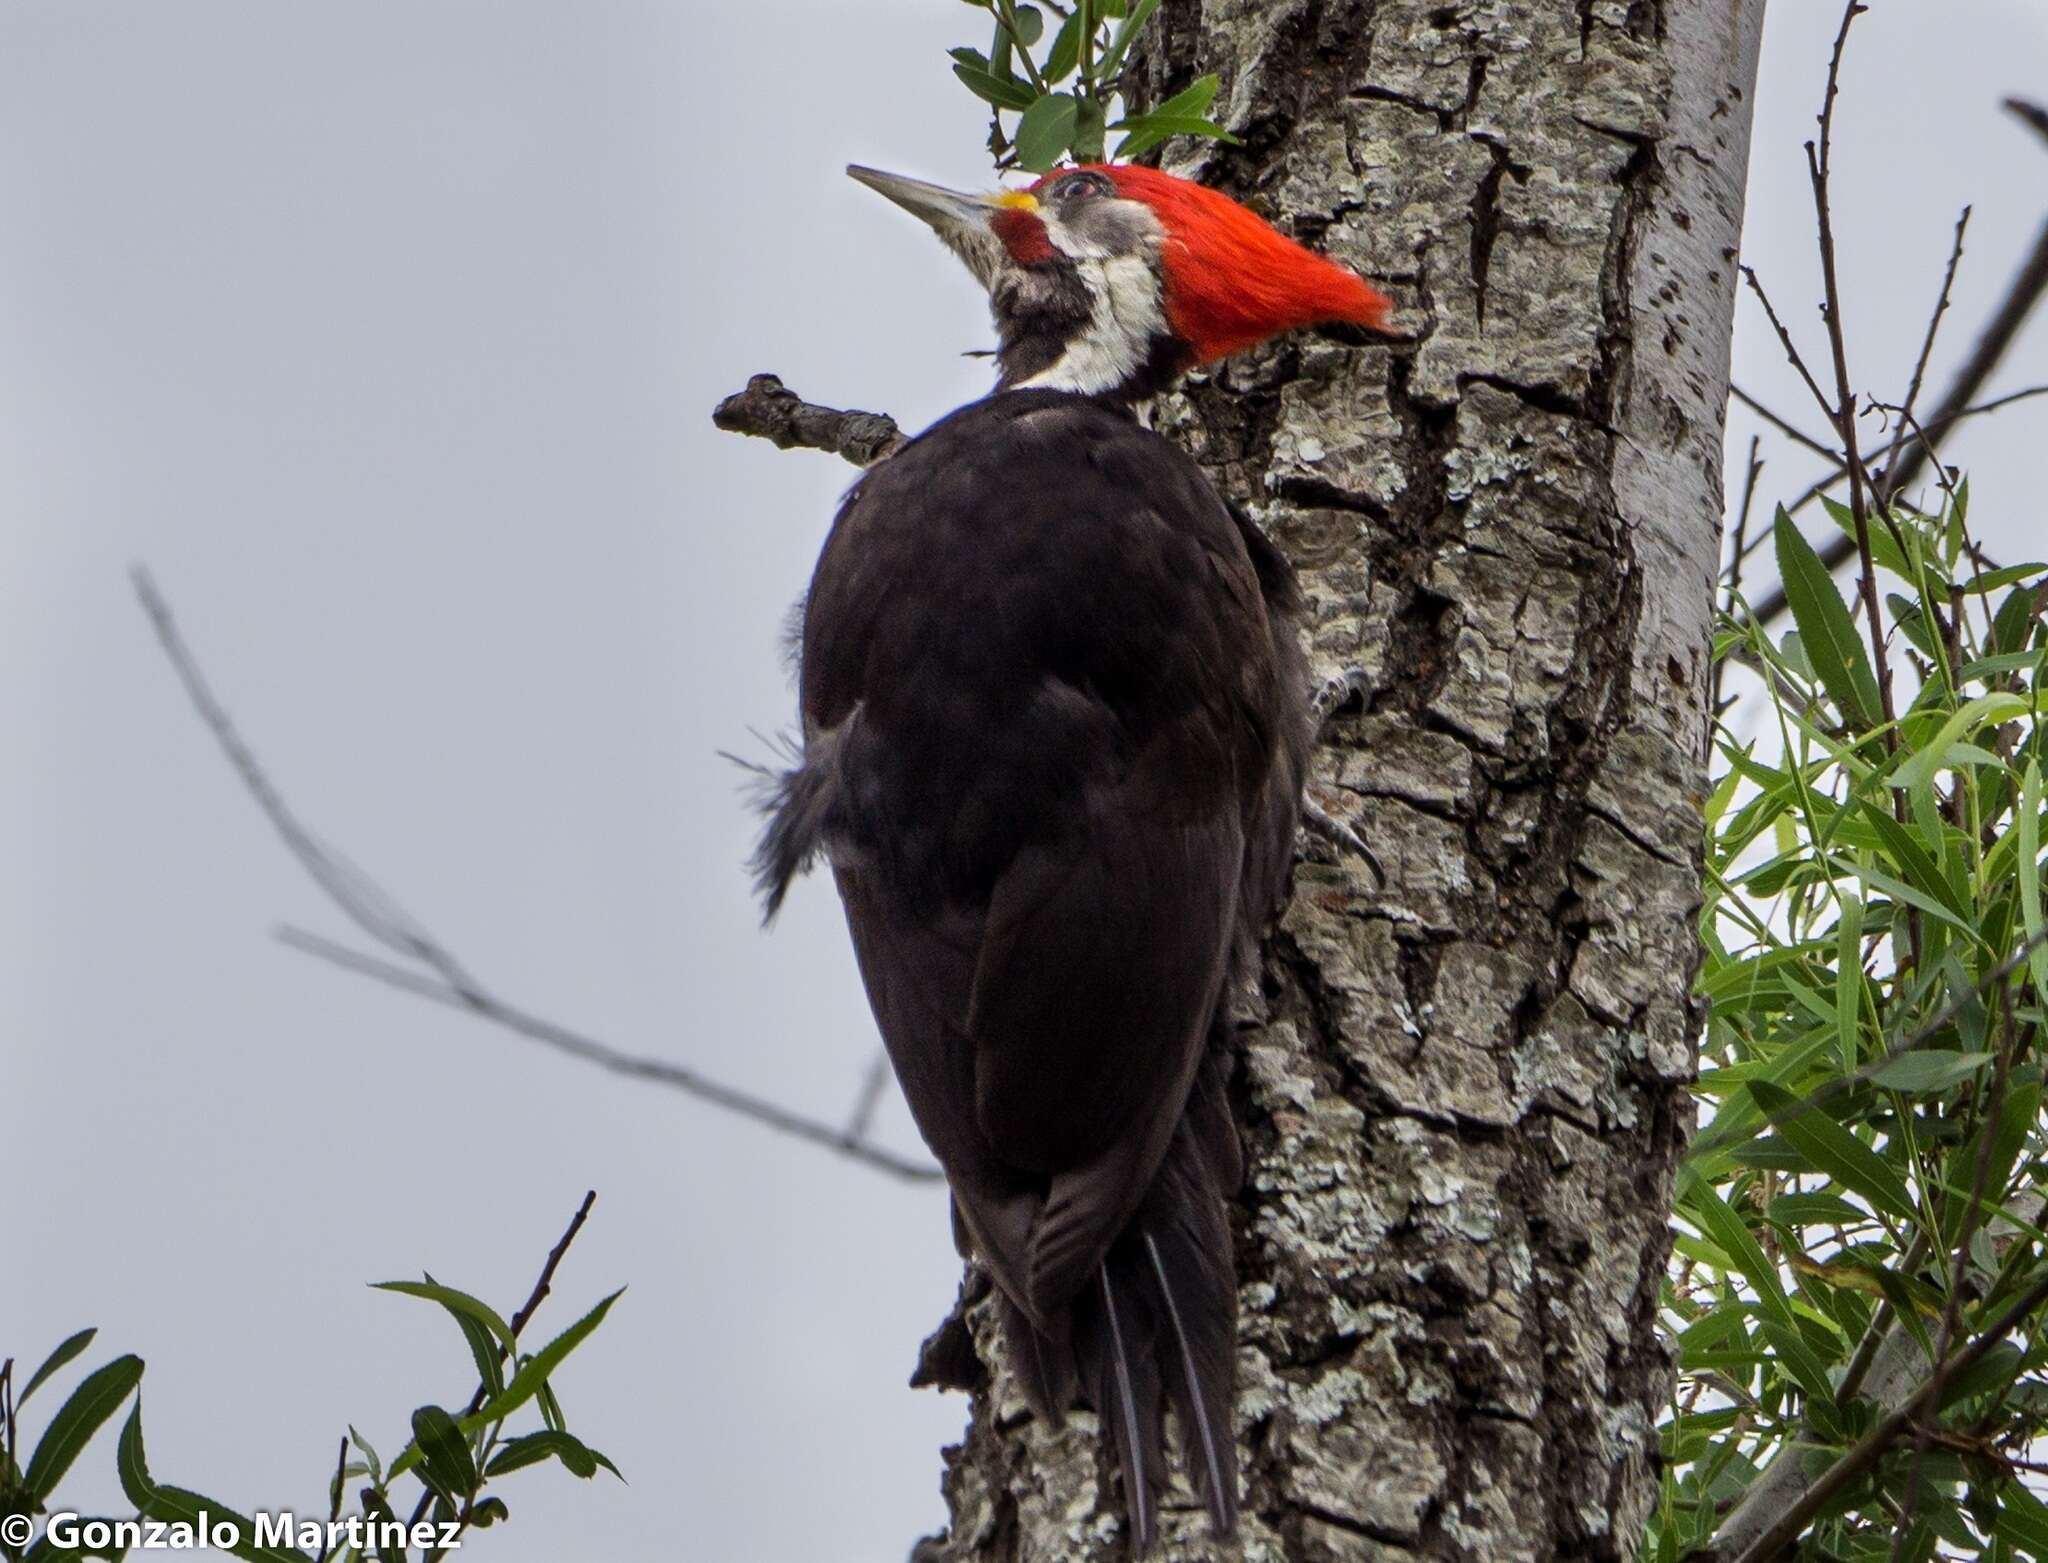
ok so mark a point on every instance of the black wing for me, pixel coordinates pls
(1054, 729)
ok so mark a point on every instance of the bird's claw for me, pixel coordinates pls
(1334, 693)
(1319, 821)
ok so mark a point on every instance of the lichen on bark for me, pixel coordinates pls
(1463, 1089)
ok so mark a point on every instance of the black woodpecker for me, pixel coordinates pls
(1055, 722)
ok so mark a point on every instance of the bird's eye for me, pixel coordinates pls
(1082, 187)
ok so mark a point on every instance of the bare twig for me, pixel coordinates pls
(770, 410)
(1916, 443)
(1792, 353)
(444, 979)
(2000, 331)
(1948, 282)
(334, 1500)
(1819, 167)
(1738, 548)
(352, 891)
(870, 1098)
(633, 1065)
(1781, 423)
(541, 1287)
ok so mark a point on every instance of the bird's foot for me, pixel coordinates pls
(1319, 821)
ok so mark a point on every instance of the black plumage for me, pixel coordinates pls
(1054, 735)
(1055, 727)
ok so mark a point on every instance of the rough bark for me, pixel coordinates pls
(1463, 1091)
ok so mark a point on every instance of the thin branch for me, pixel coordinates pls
(445, 980)
(518, 1322)
(1859, 1457)
(870, 1098)
(1920, 438)
(1792, 353)
(1959, 1267)
(635, 1066)
(345, 885)
(334, 1500)
(590, 1050)
(1819, 167)
(770, 410)
(541, 1287)
(1948, 282)
(1754, 471)
(1782, 424)
(1999, 332)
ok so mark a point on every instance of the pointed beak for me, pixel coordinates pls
(952, 214)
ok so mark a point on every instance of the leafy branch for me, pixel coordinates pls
(453, 1458)
(1090, 53)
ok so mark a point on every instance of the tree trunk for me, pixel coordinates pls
(1463, 1092)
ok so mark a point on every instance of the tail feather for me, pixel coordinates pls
(1043, 1365)
(1199, 1371)
(1158, 1327)
(1134, 1421)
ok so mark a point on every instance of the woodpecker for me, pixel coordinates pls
(1054, 730)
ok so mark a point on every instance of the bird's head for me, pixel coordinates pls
(1114, 279)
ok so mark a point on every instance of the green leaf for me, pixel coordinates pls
(1912, 897)
(1699, 1200)
(2015, 1124)
(1934, 756)
(993, 89)
(1030, 24)
(176, 1505)
(534, 1372)
(461, 1304)
(478, 1321)
(55, 1360)
(1046, 131)
(1884, 552)
(1928, 1069)
(579, 1457)
(1825, 628)
(1088, 131)
(1151, 129)
(2031, 910)
(1849, 981)
(1066, 50)
(1125, 36)
(551, 1408)
(2014, 620)
(524, 1384)
(369, 1455)
(1191, 100)
(1912, 623)
(71, 1429)
(444, 1452)
(1992, 580)
(1834, 1150)
(2022, 1519)
(488, 1511)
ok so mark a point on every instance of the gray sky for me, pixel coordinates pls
(387, 336)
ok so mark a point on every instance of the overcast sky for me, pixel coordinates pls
(386, 336)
